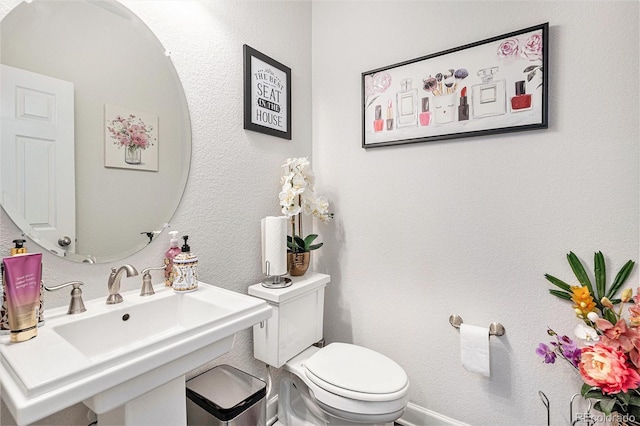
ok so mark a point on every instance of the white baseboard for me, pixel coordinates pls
(418, 416)
(413, 416)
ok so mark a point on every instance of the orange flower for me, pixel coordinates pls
(582, 299)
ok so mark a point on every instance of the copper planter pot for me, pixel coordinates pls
(298, 263)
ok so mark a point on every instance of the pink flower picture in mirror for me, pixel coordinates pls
(131, 139)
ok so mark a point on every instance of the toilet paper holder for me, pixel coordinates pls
(495, 328)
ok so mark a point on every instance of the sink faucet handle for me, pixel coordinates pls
(76, 305)
(147, 287)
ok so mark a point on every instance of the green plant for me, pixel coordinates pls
(299, 245)
(600, 290)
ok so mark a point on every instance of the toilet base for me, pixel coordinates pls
(296, 407)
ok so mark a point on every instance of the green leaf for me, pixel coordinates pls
(609, 315)
(560, 294)
(623, 397)
(595, 394)
(530, 68)
(309, 239)
(600, 273)
(621, 277)
(580, 273)
(606, 404)
(315, 246)
(634, 399)
(587, 388)
(558, 282)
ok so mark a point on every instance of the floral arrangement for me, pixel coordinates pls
(130, 132)
(606, 353)
(529, 49)
(298, 197)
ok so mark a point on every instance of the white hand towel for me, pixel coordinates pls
(474, 349)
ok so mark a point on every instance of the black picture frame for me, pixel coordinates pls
(487, 87)
(267, 94)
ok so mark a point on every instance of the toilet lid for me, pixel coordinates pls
(356, 369)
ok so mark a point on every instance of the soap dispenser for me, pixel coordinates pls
(169, 255)
(185, 269)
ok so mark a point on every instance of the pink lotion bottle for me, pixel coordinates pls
(169, 255)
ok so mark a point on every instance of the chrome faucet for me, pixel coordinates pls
(147, 287)
(76, 306)
(114, 282)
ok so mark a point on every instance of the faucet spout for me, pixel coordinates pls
(114, 282)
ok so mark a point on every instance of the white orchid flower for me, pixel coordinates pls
(297, 191)
(593, 316)
(584, 332)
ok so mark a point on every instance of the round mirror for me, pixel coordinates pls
(95, 139)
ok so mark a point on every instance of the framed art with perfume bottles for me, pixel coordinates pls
(267, 94)
(491, 86)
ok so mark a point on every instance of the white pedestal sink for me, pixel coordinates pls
(128, 361)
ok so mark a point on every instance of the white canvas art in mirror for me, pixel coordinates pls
(130, 139)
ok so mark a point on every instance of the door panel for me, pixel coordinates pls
(37, 170)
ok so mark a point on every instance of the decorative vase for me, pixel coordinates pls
(298, 263)
(132, 155)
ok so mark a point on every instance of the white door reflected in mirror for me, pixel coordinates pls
(37, 177)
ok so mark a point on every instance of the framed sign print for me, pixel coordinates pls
(267, 94)
(491, 86)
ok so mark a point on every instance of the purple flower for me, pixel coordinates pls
(566, 340)
(569, 350)
(545, 352)
(573, 355)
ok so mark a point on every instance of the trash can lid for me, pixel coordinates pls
(225, 392)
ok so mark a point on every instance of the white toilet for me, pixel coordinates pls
(340, 384)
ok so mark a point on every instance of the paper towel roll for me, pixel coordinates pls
(474, 349)
(274, 245)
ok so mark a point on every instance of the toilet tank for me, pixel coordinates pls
(296, 323)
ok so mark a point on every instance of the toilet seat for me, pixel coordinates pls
(355, 383)
(356, 372)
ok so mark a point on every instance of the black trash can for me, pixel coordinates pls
(225, 395)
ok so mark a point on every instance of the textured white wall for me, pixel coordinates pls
(466, 226)
(470, 226)
(234, 180)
